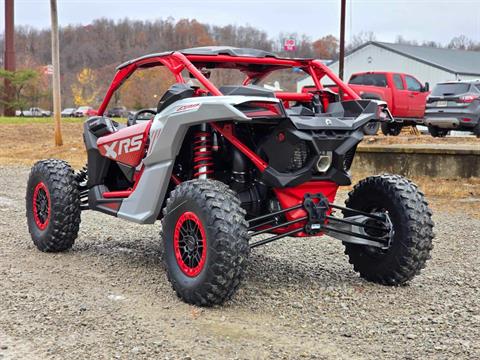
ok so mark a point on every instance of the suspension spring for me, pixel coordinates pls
(202, 155)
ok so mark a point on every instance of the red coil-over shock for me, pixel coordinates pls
(202, 154)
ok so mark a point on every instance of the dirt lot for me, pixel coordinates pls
(109, 297)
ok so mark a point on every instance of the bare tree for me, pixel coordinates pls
(360, 39)
(461, 42)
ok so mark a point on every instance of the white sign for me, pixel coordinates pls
(290, 45)
(48, 69)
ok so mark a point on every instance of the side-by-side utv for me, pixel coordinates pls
(229, 168)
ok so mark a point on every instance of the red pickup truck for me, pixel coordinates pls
(404, 94)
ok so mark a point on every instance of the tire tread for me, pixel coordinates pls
(230, 241)
(65, 205)
(417, 224)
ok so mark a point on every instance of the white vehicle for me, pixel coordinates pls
(68, 112)
(33, 112)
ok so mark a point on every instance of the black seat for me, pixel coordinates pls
(177, 91)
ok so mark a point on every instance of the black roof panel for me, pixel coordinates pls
(228, 50)
(214, 51)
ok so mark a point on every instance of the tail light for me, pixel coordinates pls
(467, 99)
(259, 109)
(382, 113)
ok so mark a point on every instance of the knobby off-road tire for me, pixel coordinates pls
(53, 206)
(413, 229)
(209, 272)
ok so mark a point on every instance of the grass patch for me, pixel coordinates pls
(18, 120)
(36, 120)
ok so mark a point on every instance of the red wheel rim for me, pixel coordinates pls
(190, 244)
(41, 205)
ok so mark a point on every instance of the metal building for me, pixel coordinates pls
(425, 63)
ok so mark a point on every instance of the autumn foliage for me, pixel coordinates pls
(84, 89)
(89, 54)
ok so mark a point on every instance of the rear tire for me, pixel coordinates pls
(206, 242)
(412, 224)
(53, 206)
(391, 129)
(476, 129)
(437, 132)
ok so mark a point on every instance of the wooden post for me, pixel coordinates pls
(9, 56)
(57, 102)
(341, 59)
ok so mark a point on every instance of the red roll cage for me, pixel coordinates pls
(255, 68)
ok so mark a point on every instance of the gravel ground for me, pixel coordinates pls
(109, 298)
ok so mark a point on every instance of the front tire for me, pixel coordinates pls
(437, 132)
(205, 242)
(412, 225)
(53, 206)
(371, 128)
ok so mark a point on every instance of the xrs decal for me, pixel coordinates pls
(187, 107)
(125, 146)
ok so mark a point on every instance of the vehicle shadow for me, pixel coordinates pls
(282, 268)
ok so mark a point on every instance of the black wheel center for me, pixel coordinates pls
(191, 243)
(42, 205)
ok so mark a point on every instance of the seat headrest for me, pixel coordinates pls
(177, 91)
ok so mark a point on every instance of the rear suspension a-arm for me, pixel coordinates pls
(362, 228)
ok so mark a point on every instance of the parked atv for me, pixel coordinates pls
(230, 168)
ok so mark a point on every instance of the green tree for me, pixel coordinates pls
(22, 81)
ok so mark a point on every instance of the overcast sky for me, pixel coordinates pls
(413, 19)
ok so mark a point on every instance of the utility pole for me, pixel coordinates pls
(9, 55)
(341, 60)
(56, 74)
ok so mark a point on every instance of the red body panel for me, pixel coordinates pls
(126, 146)
(292, 196)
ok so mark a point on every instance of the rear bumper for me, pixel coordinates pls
(409, 121)
(452, 121)
(453, 117)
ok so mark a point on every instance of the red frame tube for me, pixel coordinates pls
(176, 62)
(117, 194)
(226, 131)
(292, 96)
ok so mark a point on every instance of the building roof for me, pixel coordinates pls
(454, 61)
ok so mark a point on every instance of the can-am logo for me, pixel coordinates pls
(125, 146)
(187, 107)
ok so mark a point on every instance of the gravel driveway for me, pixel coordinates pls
(109, 298)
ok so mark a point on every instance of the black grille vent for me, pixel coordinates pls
(299, 156)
